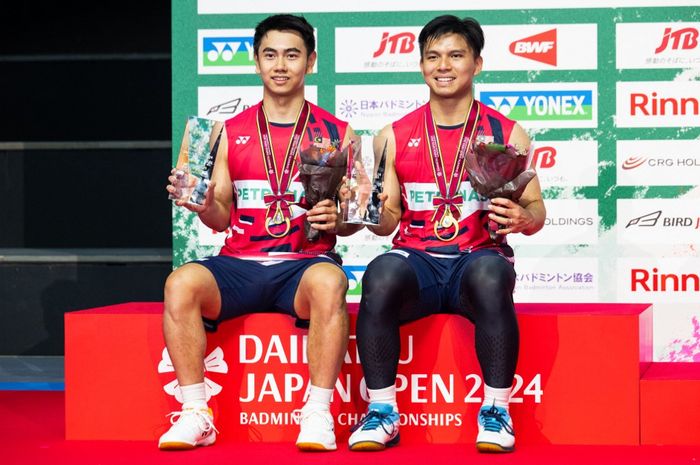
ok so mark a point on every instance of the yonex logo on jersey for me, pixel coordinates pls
(242, 140)
(414, 142)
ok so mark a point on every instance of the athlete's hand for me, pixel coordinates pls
(323, 216)
(512, 216)
(181, 187)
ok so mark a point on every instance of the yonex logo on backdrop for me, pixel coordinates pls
(403, 42)
(682, 39)
(554, 105)
(227, 51)
(540, 47)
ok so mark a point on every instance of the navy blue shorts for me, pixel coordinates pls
(248, 286)
(439, 281)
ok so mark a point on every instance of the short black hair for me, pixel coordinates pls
(469, 28)
(285, 22)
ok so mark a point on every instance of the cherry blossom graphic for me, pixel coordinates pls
(685, 350)
(213, 363)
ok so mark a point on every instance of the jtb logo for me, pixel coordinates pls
(685, 39)
(403, 42)
(544, 157)
(540, 47)
(227, 51)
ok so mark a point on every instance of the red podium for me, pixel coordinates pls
(578, 363)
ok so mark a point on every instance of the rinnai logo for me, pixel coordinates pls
(539, 47)
(682, 39)
(648, 220)
(214, 363)
(544, 157)
(401, 43)
(242, 140)
(633, 162)
(644, 280)
(642, 103)
(414, 142)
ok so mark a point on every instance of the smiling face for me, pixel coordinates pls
(449, 66)
(282, 62)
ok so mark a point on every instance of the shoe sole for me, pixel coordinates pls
(180, 446)
(493, 448)
(372, 446)
(314, 447)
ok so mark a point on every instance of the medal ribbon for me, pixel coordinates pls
(279, 182)
(447, 200)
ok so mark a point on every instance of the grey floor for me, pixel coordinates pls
(31, 372)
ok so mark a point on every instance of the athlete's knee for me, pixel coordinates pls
(183, 292)
(387, 276)
(489, 274)
(327, 283)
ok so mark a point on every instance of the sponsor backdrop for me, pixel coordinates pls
(609, 92)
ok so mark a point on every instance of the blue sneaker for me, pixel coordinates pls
(495, 430)
(378, 429)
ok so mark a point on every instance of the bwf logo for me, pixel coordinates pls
(541, 47)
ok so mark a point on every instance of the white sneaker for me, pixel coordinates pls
(317, 431)
(378, 429)
(495, 430)
(190, 428)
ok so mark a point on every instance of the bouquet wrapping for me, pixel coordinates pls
(497, 170)
(321, 171)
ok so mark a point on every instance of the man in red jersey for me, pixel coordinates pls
(444, 259)
(267, 263)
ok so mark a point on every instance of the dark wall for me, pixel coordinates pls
(76, 72)
(84, 155)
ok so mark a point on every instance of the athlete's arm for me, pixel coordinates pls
(385, 142)
(528, 214)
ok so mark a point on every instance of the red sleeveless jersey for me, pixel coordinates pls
(415, 173)
(249, 238)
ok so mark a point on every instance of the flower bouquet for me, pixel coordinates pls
(497, 170)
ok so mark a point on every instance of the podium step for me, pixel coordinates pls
(578, 364)
(670, 404)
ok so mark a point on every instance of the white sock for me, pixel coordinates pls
(496, 396)
(385, 395)
(194, 396)
(319, 398)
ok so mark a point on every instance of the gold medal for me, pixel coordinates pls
(276, 220)
(447, 222)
